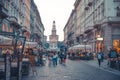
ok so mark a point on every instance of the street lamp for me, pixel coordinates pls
(85, 41)
(18, 48)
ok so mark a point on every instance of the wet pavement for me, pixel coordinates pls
(73, 70)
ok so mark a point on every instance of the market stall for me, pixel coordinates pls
(25, 60)
(6, 48)
(79, 51)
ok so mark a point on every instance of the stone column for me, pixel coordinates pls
(107, 38)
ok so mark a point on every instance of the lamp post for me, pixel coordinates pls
(18, 52)
(85, 41)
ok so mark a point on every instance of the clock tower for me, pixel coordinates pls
(53, 38)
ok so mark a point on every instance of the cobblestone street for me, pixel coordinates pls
(73, 70)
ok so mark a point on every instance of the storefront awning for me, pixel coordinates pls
(31, 44)
(80, 47)
(5, 41)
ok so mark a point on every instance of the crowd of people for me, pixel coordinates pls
(112, 57)
(52, 57)
(40, 58)
(55, 57)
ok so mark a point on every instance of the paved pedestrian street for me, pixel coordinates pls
(73, 70)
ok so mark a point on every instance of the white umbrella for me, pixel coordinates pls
(5, 40)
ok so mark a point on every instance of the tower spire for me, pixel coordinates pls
(54, 26)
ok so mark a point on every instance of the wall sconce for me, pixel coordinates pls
(100, 38)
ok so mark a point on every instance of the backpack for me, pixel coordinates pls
(113, 54)
(99, 56)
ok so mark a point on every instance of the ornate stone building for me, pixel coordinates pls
(97, 24)
(53, 39)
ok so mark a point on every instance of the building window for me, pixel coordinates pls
(118, 14)
(102, 9)
(118, 11)
(4, 27)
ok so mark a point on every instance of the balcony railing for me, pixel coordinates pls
(86, 7)
(14, 21)
(113, 20)
(97, 23)
(88, 28)
(28, 30)
(3, 12)
(90, 2)
(24, 29)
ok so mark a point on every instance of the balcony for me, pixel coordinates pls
(86, 7)
(97, 23)
(114, 20)
(88, 28)
(3, 12)
(28, 30)
(90, 3)
(14, 22)
(24, 29)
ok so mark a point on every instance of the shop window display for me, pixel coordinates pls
(116, 45)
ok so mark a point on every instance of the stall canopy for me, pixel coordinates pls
(31, 44)
(80, 47)
(5, 41)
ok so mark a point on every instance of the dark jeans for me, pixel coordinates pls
(55, 61)
(99, 62)
(60, 61)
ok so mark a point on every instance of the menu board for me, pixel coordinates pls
(7, 67)
(2, 68)
(2, 64)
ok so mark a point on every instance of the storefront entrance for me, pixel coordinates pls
(116, 45)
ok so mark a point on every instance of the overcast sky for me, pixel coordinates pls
(58, 10)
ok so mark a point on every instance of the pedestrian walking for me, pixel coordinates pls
(113, 58)
(49, 59)
(54, 59)
(32, 61)
(64, 58)
(99, 56)
(61, 57)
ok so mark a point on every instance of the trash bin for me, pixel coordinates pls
(14, 70)
(2, 74)
(112, 63)
(119, 65)
(2, 69)
(25, 67)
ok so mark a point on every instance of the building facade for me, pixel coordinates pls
(4, 7)
(36, 26)
(27, 18)
(53, 38)
(70, 29)
(102, 21)
(98, 24)
(22, 17)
